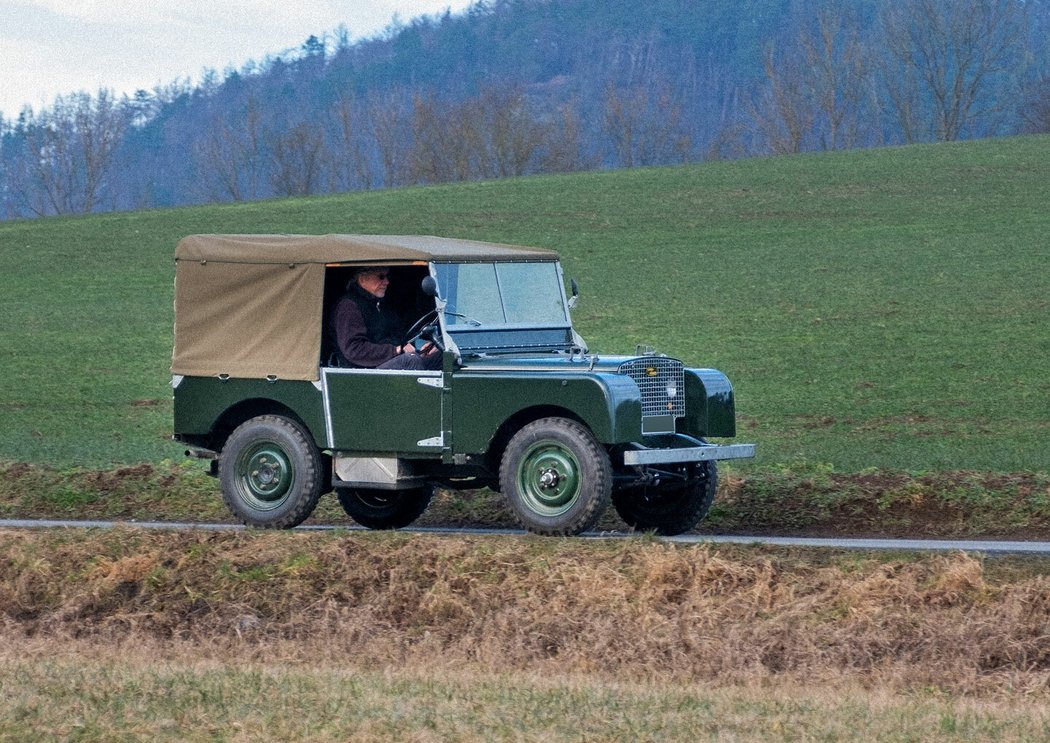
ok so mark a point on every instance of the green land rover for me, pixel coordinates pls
(518, 404)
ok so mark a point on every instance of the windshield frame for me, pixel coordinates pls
(469, 336)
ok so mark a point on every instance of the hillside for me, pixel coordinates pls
(877, 309)
(522, 87)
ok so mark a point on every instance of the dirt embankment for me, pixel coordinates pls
(628, 610)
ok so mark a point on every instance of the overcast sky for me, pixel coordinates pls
(54, 47)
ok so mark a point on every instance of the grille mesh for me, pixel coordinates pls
(652, 375)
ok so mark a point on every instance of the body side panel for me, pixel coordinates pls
(609, 404)
(385, 411)
(201, 402)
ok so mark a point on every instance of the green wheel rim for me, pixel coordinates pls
(549, 478)
(265, 475)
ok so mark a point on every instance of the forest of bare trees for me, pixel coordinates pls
(515, 87)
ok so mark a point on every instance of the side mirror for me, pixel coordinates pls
(429, 286)
(575, 293)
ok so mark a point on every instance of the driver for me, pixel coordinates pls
(368, 333)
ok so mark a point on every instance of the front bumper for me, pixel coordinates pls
(699, 453)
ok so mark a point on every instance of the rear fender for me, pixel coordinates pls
(206, 409)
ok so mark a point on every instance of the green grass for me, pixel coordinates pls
(106, 700)
(886, 308)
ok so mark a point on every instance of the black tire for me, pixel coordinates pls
(556, 476)
(670, 508)
(384, 509)
(271, 473)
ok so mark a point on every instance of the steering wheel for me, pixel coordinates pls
(421, 326)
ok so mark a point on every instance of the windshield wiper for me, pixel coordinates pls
(470, 320)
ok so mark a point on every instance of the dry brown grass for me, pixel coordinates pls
(629, 610)
(86, 690)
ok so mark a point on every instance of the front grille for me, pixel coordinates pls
(655, 375)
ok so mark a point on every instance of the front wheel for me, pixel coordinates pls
(385, 509)
(673, 507)
(270, 472)
(556, 476)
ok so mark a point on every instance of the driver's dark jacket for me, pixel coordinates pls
(366, 332)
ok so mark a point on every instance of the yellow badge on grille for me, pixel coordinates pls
(651, 371)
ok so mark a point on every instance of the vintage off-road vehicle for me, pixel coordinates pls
(520, 404)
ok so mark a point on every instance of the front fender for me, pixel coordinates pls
(608, 404)
(710, 405)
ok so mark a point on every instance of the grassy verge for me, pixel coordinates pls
(799, 500)
(93, 697)
(128, 634)
(293, 604)
(633, 610)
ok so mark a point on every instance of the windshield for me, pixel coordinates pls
(484, 294)
(504, 307)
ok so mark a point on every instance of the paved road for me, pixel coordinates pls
(921, 545)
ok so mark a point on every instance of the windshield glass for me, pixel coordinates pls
(483, 294)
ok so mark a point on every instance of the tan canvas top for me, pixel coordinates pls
(250, 306)
(385, 249)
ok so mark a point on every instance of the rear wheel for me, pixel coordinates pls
(556, 476)
(385, 509)
(270, 473)
(673, 507)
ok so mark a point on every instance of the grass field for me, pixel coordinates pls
(882, 309)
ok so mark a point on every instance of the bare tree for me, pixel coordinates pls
(818, 91)
(352, 167)
(645, 125)
(837, 61)
(298, 156)
(784, 113)
(944, 59)
(387, 122)
(563, 141)
(71, 149)
(513, 132)
(231, 152)
(1036, 110)
(621, 125)
(492, 135)
(446, 141)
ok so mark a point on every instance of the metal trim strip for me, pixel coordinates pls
(327, 404)
(688, 454)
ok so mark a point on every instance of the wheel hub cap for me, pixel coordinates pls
(549, 478)
(267, 475)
